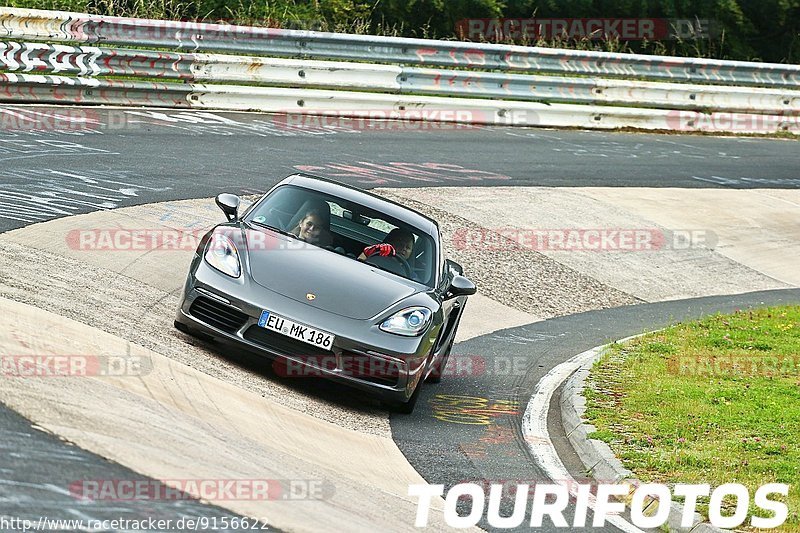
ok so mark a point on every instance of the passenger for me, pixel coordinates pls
(314, 227)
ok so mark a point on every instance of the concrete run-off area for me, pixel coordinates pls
(651, 244)
(227, 411)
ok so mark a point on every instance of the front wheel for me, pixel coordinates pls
(406, 408)
(438, 368)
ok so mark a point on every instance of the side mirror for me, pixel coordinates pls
(229, 203)
(461, 286)
(454, 268)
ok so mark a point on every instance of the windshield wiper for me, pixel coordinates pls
(273, 228)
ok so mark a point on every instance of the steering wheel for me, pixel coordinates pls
(409, 272)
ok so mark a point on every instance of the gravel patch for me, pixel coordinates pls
(520, 278)
(742, 234)
(142, 310)
(143, 315)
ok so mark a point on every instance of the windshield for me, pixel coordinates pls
(349, 229)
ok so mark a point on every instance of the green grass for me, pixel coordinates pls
(714, 401)
(347, 17)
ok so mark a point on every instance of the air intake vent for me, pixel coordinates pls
(217, 315)
(282, 344)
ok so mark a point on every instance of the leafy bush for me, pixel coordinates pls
(762, 30)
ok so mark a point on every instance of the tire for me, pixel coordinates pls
(405, 408)
(438, 369)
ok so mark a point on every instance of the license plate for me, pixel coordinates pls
(301, 332)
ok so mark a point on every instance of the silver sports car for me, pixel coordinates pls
(332, 281)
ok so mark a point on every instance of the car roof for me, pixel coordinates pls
(367, 199)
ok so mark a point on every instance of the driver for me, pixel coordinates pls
(399, 242)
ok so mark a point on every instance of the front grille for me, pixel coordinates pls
(356, 365)
(217, 314)
(281, 343)
(371, 369)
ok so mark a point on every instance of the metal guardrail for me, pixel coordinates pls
(178, 36)
(320, 108)
(60, 90)
(581, 88)
(95, 61)
(599, 91)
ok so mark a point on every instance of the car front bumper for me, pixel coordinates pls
(385, 365)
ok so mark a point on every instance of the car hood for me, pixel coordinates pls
(338, 284)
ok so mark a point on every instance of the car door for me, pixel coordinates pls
(451, 307)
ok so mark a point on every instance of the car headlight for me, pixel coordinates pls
(223, 256)
(409, 322)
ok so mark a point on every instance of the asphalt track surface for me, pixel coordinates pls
(64, 161)
(61, 161)
(41, 476)
(468, 427)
